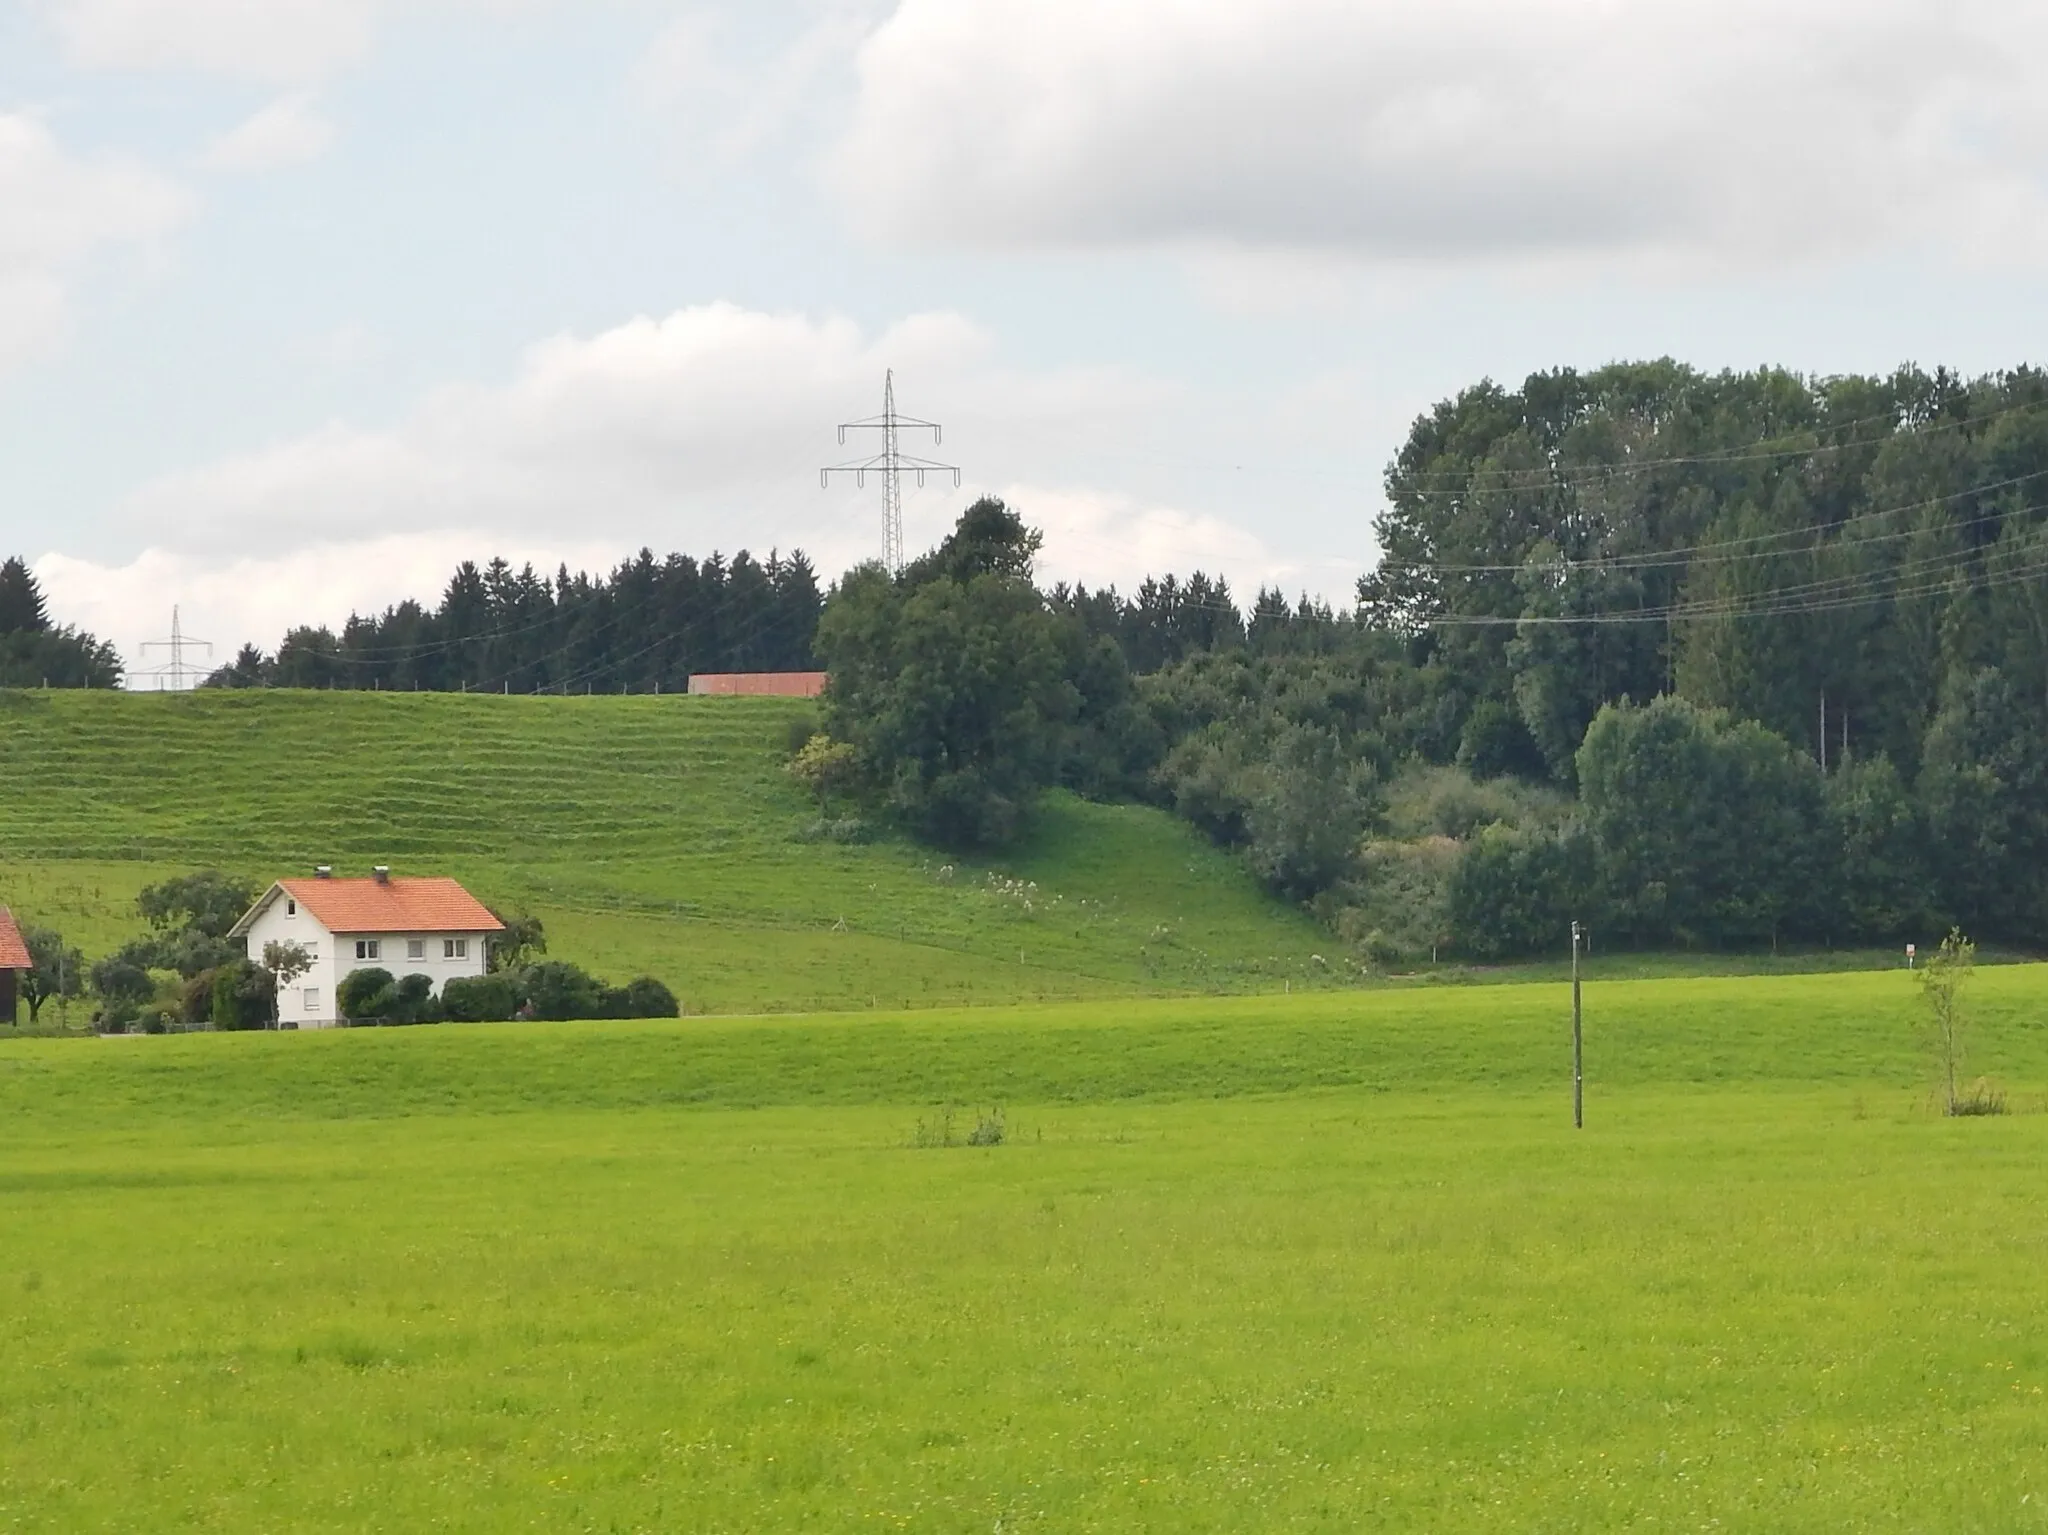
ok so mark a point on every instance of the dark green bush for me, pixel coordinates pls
(244, 996)
(366, 994)
(122, 980)
(413, 1001)
(480, 999)
(1517, 893)
(558, 990)
(648, 998)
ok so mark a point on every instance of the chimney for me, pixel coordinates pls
(382, 874)
(323, 871)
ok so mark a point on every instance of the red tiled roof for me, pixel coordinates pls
(399, 906)
(13, 952)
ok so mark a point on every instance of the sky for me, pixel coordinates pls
(303, 301)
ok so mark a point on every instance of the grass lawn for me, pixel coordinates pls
(1330, 1262)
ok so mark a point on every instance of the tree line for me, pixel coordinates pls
(34, 652)
(643, 628)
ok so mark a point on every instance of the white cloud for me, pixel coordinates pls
(1695, 131)
(271, 42)
(57, 211)
(289, 131)
(706, 425)
(703, 430)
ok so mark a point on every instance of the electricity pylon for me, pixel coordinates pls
(892, 463)
(177, 671)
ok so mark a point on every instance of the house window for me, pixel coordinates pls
(369, 948)
(291, 908)
(312, 999)
(455, 948)
(415, 948)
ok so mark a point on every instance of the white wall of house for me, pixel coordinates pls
(309, 1001)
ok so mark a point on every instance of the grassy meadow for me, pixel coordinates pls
(1328, 1262)
(654, 836)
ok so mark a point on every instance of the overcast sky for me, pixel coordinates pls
(303, 300)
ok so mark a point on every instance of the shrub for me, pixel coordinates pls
(412, 1001)
(825, 767)
(1515, 893)
(480, 999)
(244, 996)
(799, 732)
(366, 994)
(1981, 1100)
(122, 980)
(1309, 812)
(648, 998)
(196, 1000)
(557, 990)
(158, 1018)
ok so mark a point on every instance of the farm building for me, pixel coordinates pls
(758, 684)
(430, 927)
(14, 961)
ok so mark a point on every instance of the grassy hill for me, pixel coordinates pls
(654, 835)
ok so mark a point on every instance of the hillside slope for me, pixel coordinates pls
(654, 835)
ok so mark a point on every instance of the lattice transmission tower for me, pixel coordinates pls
(177, 670)
(892, 464)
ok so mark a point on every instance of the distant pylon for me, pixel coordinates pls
(891, 464)
(177, 671)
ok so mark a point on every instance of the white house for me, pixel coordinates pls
(430, 927)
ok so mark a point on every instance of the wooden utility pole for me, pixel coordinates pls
(1578, 1040)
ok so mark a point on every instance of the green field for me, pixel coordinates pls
(1332, 1262)
(654, 835)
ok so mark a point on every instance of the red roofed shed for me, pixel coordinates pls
(758, 684)
(14, 959)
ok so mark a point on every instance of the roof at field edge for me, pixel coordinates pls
(380, 906)
(13, 951)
